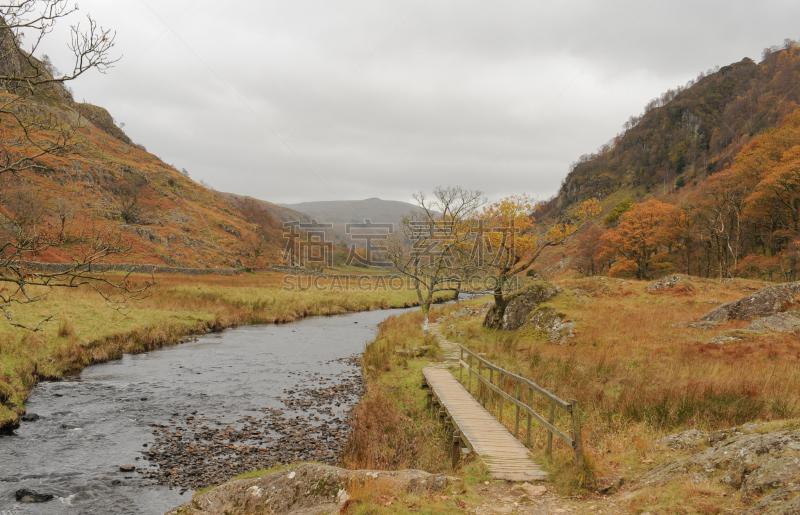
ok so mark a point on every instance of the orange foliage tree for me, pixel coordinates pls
(641, 234)
(512, 240)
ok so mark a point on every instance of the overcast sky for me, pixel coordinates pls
(333, 100)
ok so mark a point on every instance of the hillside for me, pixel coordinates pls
(692, 131)
(101, 182)
(704, 182)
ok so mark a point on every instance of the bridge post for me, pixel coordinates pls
(500, 399)
(530, 398)
(516, 423)
(461, 367)
(550, 418)
(491, 393)
(483, 396)
(456, 451)
(576, 434)
(469, 376)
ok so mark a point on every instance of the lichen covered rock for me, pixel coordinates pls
(520, 305)
(751, 462)
(306, 489)
(690, 439)
(760, 304)
(787, 322)
(552, 322)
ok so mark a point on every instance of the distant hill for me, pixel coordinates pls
(277, 211)
(354, 211)
(341, 212)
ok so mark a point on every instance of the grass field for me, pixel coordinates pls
(638, 376)
(87, 331)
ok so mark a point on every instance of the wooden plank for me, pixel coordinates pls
(505, 456)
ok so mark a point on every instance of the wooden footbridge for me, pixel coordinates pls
(475, 428)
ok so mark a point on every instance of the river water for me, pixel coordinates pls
(113, 413)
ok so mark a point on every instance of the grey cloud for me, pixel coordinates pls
(434, 103)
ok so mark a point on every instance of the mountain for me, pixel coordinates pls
(706, 181)
(101, 182)
(692, 131)
(341, 212)
(355, 211)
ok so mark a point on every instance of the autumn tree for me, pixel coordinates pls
(641, 233)
(511, 240)
(589, 254)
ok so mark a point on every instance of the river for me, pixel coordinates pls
(246, 388)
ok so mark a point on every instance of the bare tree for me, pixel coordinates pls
(63, 209)
(24, 24)
(22, 282)
(129, 190)
(31, 133)
(441, 235)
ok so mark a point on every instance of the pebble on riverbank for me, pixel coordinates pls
(196, 451)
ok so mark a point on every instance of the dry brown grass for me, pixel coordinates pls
(637, 377)
(390, 426)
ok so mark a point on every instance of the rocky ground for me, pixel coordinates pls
(195, 451)
(761, 462)
(308, 488)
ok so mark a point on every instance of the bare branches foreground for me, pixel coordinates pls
(31, 132)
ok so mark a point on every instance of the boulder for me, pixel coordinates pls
(760, 304)
(669, 282)
(686, 440)
(520, 304)
(25, 495)
(751, 462)
(734, 335)
(551, 321)
(787, 322)
(308, 489)
(776, 502)
(608, 485)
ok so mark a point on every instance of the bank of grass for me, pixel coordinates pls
(391, 428)
(88, 331)
(637, 375)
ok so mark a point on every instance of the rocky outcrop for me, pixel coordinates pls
(100, 118)
(690, 439)
(552, 322)
(668, 283)
(787, 322)
(783, 501)
(520, 304)
(764, 303)
(749, 459)
(306, 489)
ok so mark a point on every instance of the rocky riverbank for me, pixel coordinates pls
(195, 451)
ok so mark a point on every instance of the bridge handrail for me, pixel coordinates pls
(572, 407)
